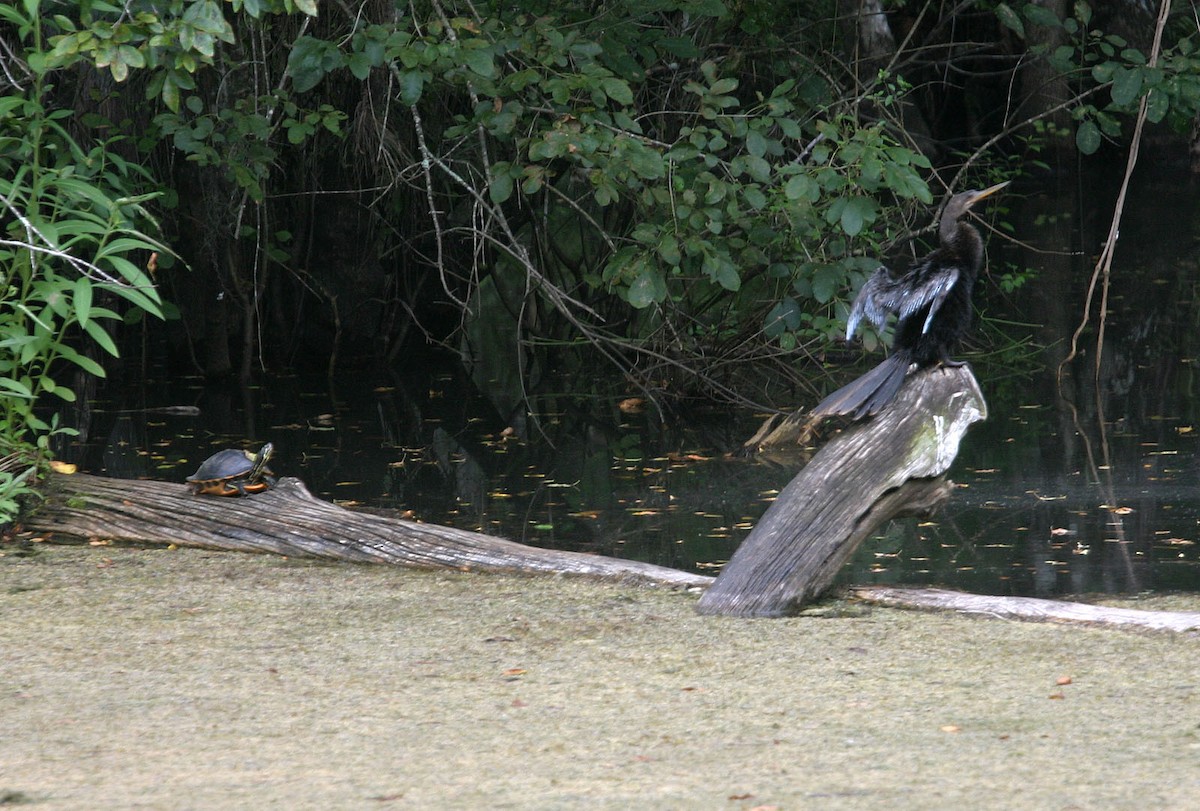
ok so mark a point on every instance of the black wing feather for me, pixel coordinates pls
(882, 295)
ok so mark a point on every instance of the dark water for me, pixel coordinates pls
(1088, 485)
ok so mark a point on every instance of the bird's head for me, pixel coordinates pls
(961, 203)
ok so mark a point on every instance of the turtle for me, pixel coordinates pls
(234, 473)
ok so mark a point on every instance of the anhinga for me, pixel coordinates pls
(932, 304)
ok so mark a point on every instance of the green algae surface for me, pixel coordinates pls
(180, 679)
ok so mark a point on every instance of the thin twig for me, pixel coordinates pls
(1102, 272)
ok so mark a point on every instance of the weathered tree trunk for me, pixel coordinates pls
(288, 520)
(874, 471)
(1028, 608)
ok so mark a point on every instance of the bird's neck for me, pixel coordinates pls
(965, 242)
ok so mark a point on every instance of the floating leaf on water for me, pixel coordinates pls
(63, 467)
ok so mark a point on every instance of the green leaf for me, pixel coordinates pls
(1009, 19)
(82, 300)
(668, 249)
(101, 337)
(1087, 137)
(144, 299)
(704, 8)
(647, 163)
(617, 90)
(479, 60)
(412, 82)
(756, 144)
(501, 188)
(801, 187)
(309, 61)
(649, 287)
(16, 388)
(722, 271)
(308, 7)
(1157, 105)
(82, 361)
(722, 86)
(1083, 12)
(1126, 86)
(1041, 16)
(783, 316)
(825, 283)
(852, 217)
(758, 168)
(360, 65)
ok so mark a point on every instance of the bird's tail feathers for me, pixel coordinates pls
(868, 394)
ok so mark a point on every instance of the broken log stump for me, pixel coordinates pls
(890, 465)
(288, 520)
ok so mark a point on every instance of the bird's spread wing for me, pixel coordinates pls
(883, 295)
(872, 301)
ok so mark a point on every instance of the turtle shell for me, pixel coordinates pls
(233, 473)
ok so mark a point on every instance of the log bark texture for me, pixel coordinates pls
(1028, 608)
(288, 520)
(876, 470)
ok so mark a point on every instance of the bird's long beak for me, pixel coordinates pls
(989, 191)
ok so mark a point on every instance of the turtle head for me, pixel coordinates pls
(261, 458)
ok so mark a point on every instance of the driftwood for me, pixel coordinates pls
(288, 520)
(1027, 608)
(888, 466)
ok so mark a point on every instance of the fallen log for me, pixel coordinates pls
(1033, 609)
(288, 520)
(874, 471)
(291, 521)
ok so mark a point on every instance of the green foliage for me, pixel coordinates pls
(18, 477)
(69, 251)
(238, 138)
(742, 196)
(667, 176)
(1096, 59)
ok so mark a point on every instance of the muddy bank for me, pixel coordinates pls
(184, 679)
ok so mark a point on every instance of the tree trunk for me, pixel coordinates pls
(871, 47)
(1028, 608)
(876, 470)
(288, 520)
